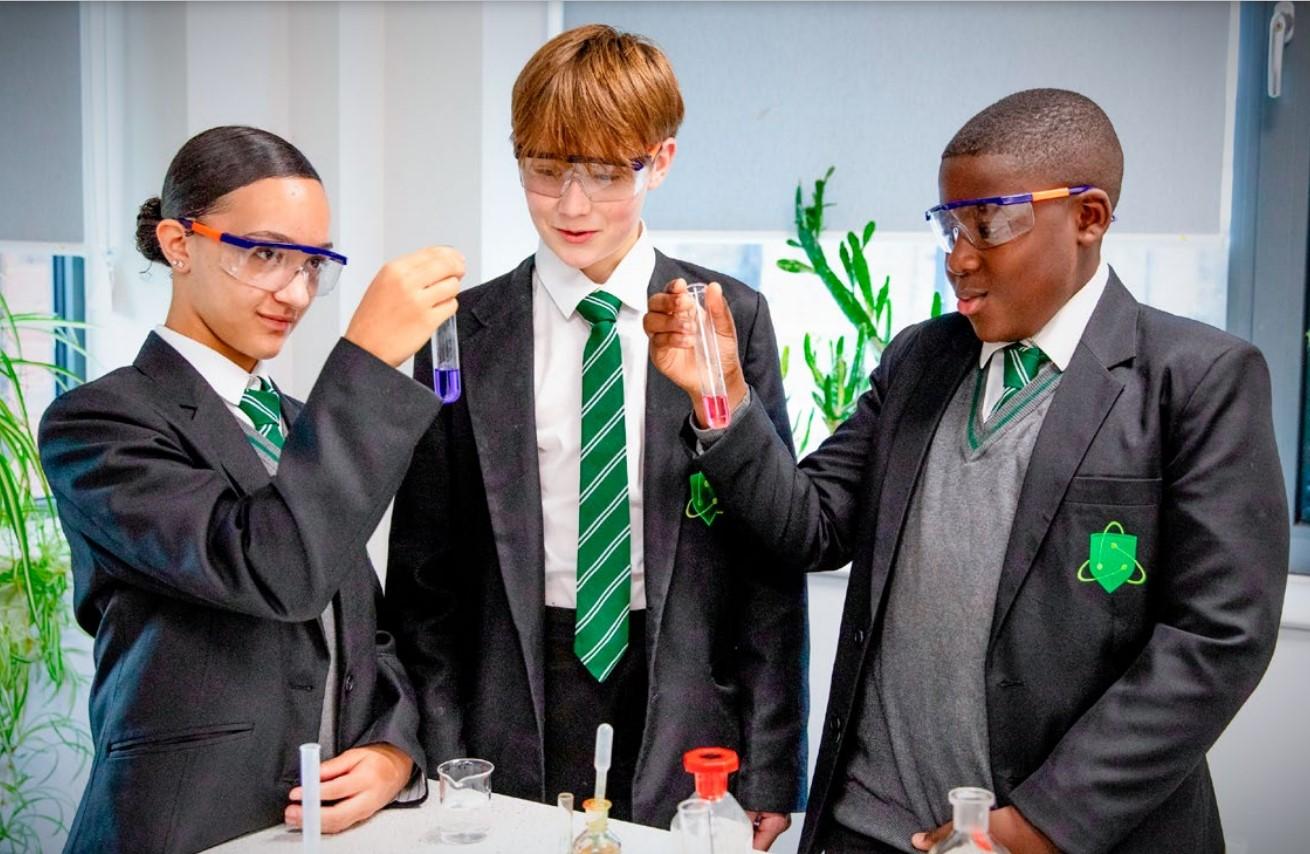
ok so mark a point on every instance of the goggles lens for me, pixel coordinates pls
(983, 225)
(601, 182)
(272, 268)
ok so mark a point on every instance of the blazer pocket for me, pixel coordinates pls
(1122, 491)
(179, 739)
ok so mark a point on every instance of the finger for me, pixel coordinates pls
(346, 814)
(679, 303)
(443, 312)
(433, 268)
(655, 324)
(447, 258)
(717, 306)
(672, 341)
(293, 815)
(439, 291)
(677, 286)
(926, 840)
(347, 785)
(765, 835)
(340, 764)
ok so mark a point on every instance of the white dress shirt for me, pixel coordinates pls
(228, 379)
(559, 338)
(1057, 339)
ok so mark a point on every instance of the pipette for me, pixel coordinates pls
(604, 747)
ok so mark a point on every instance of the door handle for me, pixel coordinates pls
(1280, 33)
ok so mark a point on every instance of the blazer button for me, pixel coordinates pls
(349, 682)
(835, 725)
(859, 637)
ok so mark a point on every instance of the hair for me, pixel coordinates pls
(210, 165)
(595, 92)
(1059, 135)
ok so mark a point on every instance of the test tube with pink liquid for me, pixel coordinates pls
(709, 365)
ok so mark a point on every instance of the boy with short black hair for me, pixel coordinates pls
(1065, 514)
(547, 574)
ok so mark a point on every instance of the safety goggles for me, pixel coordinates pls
(601, 182)
(991, 221)
(271, 266)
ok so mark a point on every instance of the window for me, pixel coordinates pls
(44, 283)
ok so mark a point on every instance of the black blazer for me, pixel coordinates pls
(1101, 706)
(202, 580)
(726, 636)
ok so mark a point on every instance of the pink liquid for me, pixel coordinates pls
(716, 410)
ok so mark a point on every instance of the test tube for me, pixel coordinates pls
(713, 389)
(565, 803)
(310, 800)
(445, 362)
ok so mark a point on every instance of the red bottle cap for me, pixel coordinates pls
(711, 767)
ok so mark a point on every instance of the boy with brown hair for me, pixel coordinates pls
(546, 575)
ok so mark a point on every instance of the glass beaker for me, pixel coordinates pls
(694, 827)
(464, 806)
(969, 835)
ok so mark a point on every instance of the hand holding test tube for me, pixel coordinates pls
(693, 342)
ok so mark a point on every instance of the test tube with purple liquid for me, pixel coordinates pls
(445, 362)
(713, 389)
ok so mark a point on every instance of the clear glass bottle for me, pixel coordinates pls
(597, 838)
(730, 829)
(565, 805)
(970, 835)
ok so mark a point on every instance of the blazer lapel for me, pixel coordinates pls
(202, 414)
(1083, 399)
(941, 369)
(497, 358)
(666, 467)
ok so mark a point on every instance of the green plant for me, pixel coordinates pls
(34, 604)
(841, 377)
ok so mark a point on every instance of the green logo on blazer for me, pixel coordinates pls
(1112, 560)
(703, 503)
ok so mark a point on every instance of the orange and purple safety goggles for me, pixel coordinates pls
(271, 265)
(993, 220)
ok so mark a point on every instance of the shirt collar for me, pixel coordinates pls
(629, 281)
(1060, 336)
(228, 380)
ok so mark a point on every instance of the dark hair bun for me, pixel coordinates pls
(146, 219)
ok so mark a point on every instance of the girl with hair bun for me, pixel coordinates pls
(218, 527)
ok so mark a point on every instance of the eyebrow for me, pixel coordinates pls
(279, 237)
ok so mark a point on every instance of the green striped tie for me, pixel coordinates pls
(604, 525)
(264, 407)
(1022, 362)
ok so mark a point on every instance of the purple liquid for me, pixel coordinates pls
(446, 383)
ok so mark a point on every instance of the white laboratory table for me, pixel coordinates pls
(517, 827)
